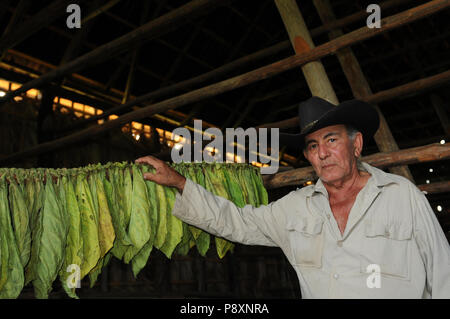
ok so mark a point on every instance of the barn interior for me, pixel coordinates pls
(114, 89)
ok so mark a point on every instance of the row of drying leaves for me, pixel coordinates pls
(87, 215)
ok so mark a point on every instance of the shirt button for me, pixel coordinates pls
(339, 243)
(335, 276)
(386, 233)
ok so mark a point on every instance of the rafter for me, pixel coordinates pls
(147, 31)
(328, 48)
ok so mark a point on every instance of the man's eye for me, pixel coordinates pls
(312, 146)
(332, 140)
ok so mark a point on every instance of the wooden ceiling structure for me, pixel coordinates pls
(241, 64)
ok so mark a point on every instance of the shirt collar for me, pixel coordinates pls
(379, 178)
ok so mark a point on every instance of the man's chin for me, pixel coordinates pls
(329, 178)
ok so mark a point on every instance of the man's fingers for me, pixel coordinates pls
(149, 176)
(149, 160)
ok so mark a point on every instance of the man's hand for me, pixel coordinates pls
(164, 174)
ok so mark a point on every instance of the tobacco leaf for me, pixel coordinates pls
(11, 269)
(50, 242)
(74, 245)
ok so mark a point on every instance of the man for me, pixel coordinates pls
(357, 233)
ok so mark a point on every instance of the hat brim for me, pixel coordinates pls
(361, 115)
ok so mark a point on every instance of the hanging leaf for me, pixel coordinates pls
(174, 225)
(89, 225)
(50, 242)
(20, 219)
(11, 268)
(139, 229)
(74, 246)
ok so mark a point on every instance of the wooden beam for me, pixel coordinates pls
(42, 19)
(183, 86)
(146, 32)
(262, 73)
(17, 16)
(360, 87)
(99, 11)
(421, 154)
(435, 188)
(301, 41)
(382, 96)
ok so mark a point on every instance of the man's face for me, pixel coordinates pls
(331, 152)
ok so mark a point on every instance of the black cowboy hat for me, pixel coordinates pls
(316, 113)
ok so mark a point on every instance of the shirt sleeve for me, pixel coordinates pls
(433, 246)
(218, 216)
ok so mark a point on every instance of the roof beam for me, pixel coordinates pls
(262, 73)
(146, 32)
(42, 19)
(382, 96)
(183, 86)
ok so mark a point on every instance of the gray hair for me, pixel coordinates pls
(351, 132)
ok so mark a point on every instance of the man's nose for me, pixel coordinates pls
(323, 151)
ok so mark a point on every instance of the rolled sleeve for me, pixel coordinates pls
(221, 217)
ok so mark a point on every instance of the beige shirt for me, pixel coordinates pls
(391, 228)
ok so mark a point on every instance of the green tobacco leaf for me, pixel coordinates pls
(174, 225)
(20, 221)
(114, 197)
(106, 231)
(96, 271)
(51, 242)
(89, 226)
(161, 232)
(140, 260)
(258, 182)
(215, 183)
(234, 188)
(128, 195)
(74, 246)
(35, 225)
(139, 229)
(11, 269)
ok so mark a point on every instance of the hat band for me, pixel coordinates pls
(308, 126)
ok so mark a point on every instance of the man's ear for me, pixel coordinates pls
(358, 144)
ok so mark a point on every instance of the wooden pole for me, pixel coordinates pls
(427, 153)
(301, 41)
(435, 188)
(405, 89)
(360, 87)
(262, 73)
(154, 28)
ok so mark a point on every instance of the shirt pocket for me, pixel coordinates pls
(306, 241)
(388, 246)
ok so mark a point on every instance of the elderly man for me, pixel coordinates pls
(357, 233)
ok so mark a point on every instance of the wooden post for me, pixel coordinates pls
(360, 87)
(301, 41)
